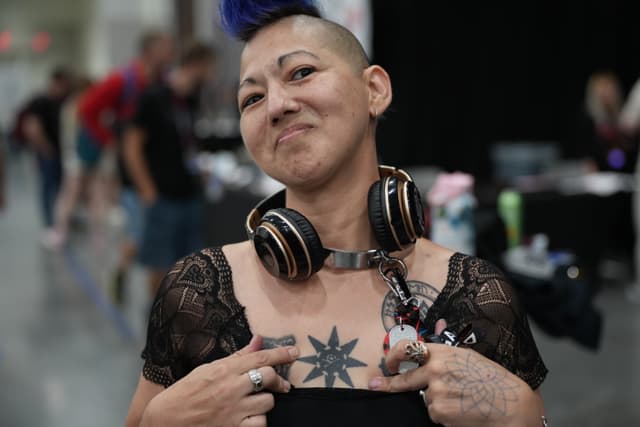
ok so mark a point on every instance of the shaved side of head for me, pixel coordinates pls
(333, 36)
(340, 40)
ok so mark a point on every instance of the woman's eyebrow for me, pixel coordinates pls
(283, 58)
(281, 61)
(248, 80)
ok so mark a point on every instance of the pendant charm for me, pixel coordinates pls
(396, 334)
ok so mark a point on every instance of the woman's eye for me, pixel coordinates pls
(302, 73)
(250, 100)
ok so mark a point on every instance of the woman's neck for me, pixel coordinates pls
(338, 210)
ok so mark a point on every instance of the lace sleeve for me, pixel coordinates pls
(478, 293)
(195, 318)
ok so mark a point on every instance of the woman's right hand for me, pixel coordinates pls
(221, 393)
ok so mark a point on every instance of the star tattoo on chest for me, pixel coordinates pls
(332, 360)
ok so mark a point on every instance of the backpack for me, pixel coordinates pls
(129, 96)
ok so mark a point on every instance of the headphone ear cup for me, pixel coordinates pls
(416, 209)
(377, 208)
(311, 241)
(287, 244)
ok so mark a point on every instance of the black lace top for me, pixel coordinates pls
(196, 319)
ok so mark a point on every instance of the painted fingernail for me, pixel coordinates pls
(293, 351)
(375, 383)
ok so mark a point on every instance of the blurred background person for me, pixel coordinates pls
(104, 111)
(160, 149)
(72, 177)
(42, 132)
(600, 137)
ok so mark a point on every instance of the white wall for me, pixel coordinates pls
(91, 36)
(21, 70)
(114, 26)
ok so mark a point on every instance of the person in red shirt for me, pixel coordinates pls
(106, 107)
(103, 113)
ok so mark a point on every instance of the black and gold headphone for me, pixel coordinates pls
(290, 248)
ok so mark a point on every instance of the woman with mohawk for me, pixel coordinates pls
(336, 311)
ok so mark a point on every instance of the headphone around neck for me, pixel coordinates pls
(289, 247)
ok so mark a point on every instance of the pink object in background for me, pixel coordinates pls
(451, 203)
(448, 186)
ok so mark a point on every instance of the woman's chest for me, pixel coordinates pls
(340, 337)
(338, 322)
(344, 349)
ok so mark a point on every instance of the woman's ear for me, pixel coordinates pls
(379, 85)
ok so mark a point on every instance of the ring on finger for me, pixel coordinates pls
(417, 352)
(256, 379)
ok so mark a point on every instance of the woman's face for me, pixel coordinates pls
(304, 110)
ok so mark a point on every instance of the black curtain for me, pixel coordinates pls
(466, 75)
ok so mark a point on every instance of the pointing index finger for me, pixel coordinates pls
(270, 357)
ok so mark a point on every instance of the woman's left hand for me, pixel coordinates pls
(463, 388)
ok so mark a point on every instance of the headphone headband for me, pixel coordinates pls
(274, 201)
(386, 171)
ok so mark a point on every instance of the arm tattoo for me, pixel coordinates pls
(267, 342)
(480, 385)
(332, 360)
(424, 292)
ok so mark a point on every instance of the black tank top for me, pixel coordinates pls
(339, 407)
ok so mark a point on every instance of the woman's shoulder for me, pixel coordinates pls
(199, 269)
(478, 279)
(477, 288)
(469, 270)
(203, 279)
(210, 272)
(237, 251)
(195, 317)
(483, 297)
(477, 293)
(467, 279)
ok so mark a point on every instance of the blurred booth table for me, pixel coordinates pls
(589, 215)
(591, 226)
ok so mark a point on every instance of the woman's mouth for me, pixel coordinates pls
(291, 132)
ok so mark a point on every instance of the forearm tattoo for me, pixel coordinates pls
(332, 360)
(424, 292)
(267, 342)
(480, 385)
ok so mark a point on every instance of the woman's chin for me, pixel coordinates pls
(306, 175)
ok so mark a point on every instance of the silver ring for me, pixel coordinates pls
(417, 352)
(256, 379)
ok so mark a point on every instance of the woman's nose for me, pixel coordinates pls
(280, 102)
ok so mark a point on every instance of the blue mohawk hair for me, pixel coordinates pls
(243, 18)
